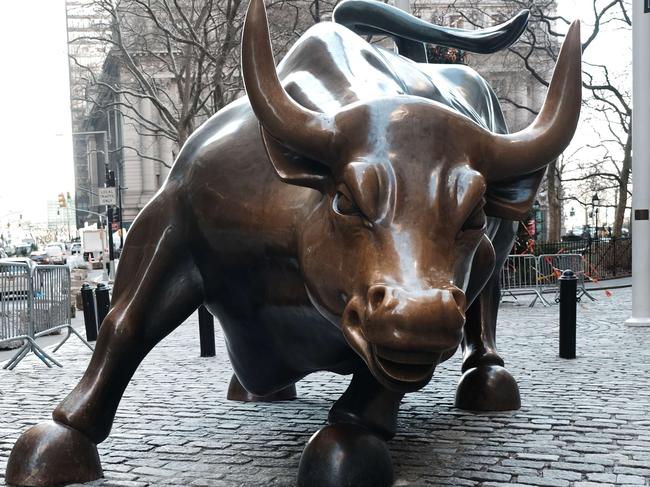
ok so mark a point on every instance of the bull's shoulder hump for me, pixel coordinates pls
(226, 127)
(330, 66)
(468, 92)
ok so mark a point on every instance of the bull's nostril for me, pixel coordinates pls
(376, 296)
(353, 318)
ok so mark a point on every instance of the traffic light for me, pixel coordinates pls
(62, 201)
(116, 215)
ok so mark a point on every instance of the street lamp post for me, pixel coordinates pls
(640, 164)
(595, 200)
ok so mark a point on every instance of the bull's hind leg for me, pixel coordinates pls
(485, 385)
(352, 449)
(236, 392)
(157, 287)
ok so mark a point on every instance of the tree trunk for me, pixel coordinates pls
(554, 190)
(623, 182)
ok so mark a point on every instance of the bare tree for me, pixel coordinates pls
(171, 64)
(533, 56)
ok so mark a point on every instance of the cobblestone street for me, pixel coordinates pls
(584, 422)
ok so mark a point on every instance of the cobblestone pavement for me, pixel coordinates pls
(584, 422)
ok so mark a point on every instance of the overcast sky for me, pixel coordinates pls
(36, 160)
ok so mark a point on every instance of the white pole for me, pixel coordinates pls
(640, 164)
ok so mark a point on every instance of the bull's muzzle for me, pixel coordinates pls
(401, 334)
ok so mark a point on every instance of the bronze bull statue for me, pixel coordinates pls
(350, 214)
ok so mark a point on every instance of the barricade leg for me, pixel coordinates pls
(70, 331)
(41, 357)
(20, 354)
(41, 354)
(65, 339)
(584, 292)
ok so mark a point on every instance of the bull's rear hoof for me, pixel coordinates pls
(51, 454)
(487, 388)
(236, 392)
(345, 454)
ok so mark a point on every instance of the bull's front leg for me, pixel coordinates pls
(156, 288)
(486, 385)
(352, 449)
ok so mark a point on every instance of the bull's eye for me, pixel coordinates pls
(344, 205)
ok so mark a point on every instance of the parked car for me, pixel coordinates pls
(55, 254)
(38, 256)
(75, 248)
(51, 254)
(23, 249)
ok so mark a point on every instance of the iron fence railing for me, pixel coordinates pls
(603, 258)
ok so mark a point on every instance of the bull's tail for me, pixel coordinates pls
(370, 17)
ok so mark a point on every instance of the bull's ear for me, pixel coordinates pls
(294, 168)
(512, 199)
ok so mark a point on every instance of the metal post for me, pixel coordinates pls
(206, 332)
(103, 301)
(110, 183)
(90, 318)
(640, 164)
(111, 246)
(67, 216)
(568, 289)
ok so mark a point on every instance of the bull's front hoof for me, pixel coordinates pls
(51, 454)
(345, 454)
(487, 388)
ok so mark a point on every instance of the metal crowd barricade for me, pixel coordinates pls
(550, 267)
(519, 277)
(34, 301)
(526, 274)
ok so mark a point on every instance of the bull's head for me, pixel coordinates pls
(406, 184)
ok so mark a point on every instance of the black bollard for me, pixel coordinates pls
(90, 319)
(103, 301)
(568, 300)
(206, 332)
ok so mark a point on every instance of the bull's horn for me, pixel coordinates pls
(524, 152)
(305, 131)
